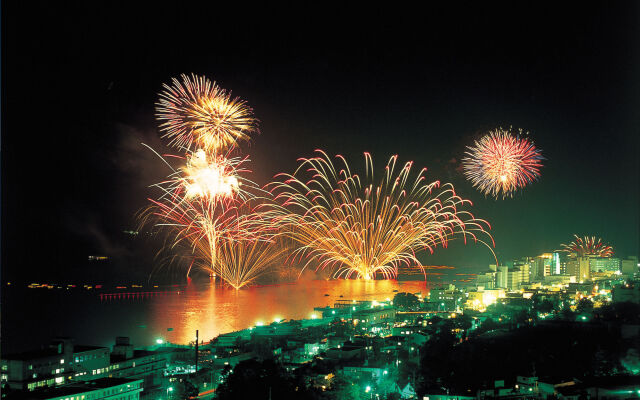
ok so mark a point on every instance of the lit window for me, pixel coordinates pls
(62, 361)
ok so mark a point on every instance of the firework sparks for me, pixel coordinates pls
(197, 112)
(358, 228)
(239, 263)
(199, 205)
(203, 177)
(500, 163)
(588, 245)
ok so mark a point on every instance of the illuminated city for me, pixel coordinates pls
(215, 201)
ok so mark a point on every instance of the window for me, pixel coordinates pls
(62, 361)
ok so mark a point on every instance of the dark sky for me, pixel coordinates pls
(80, 82)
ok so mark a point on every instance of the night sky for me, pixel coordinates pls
(80, 82)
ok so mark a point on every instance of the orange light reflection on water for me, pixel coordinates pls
(214, 310)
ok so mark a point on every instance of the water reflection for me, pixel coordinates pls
(214, 310)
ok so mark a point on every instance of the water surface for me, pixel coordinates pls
(30, 317)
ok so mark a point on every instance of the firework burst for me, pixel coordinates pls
(240, 262)
(588, 245)
(199, 205)
(196, 112)
(212, 177)
(358, 228)
(500, 163)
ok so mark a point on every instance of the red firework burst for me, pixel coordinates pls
(500, 163)
(588, 245)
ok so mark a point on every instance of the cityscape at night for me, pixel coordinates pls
(222, 201)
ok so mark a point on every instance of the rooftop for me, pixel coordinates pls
(71, 390)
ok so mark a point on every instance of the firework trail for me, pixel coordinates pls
(500, 163)
(195, 113)
(199, 204)
(239, 263)
(211, 176)
(359, 228)
(588, 245)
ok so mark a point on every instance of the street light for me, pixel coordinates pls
(169, 389)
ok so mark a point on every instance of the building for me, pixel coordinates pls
(479, 300)
(148, 366)
(514, 278)
(544, 265)
(231, 339)
(58, 364)
(630, 266)
(626, 293)
(562, 279)
(501, 277)
(446, 298)
(374, 320)
(486, 280)
(580, 268)
(514, 274)
(604, 264)
(367, 373)
(524, 388)
(103, 388)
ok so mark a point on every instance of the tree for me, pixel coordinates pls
(463, 321)
(184, 389)
(262, 347)
(487, 326)
(343, 388)
(585, 306)
(405, 300)
(342, 328)
(544, 307)
(435, 361)
(252, 379)
(521, 317)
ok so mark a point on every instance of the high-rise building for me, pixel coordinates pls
(604, 264)
(579, 267)
(555, 264)
(584, 269)
(501, 276)
(544, 265)
(630, 265)
(514, 276)
(486, 280)
(524, 265)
